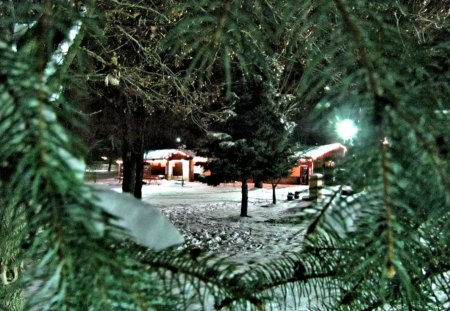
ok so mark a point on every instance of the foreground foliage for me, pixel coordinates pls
(386, 247)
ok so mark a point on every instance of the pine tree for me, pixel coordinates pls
(278, 160)
(276, 132)
(385, 247)
(59, 250)
(252, 143)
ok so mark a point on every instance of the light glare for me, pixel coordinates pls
(346, 129)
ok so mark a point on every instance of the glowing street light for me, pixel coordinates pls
(179, 144)
(346, 129)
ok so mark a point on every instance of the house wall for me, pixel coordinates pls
(178, 165)
(326, 167)
(306, 167)
(157, 167)
(177, 169)
(295, 172)
(291, 180)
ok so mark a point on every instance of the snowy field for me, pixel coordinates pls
(208, 217)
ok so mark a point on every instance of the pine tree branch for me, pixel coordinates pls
(257, 288)
(312, 227)
(389, 217)
(430, 148)
(364, 59)
(234, 288)
(374, 306)
(75, 46)
(380, 104)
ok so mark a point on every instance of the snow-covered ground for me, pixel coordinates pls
(208, 217)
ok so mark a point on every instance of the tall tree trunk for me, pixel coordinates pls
(129, 169)
(110, 159)
(139, 160)
(244, 201)
(258, 183)
(274, 196)
(139, 154)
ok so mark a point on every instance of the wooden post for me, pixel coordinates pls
(315, 187)
(191, 170)
(169, 170)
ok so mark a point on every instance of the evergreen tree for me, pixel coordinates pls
(58, 248)
(278, 160)
(384, 248)
(275, 138)
(380, 249)
(252, 143)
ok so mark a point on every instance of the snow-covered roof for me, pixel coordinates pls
(164, 154)
(317, 152)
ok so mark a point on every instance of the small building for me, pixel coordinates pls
(171, 164)
(317, 159)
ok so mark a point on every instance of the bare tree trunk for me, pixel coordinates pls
(244, 201)
(274, 196)
(110, 159)
(258, 183)
(274, 185)
(139, 154)
(129, 169)
(139, 160)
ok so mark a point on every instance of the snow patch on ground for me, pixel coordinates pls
(208, 217)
